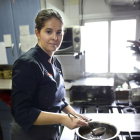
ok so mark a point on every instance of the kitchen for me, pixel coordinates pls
(91, 92)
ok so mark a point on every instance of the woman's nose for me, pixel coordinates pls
(54, 36)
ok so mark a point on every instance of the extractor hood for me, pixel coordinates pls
(121, 2)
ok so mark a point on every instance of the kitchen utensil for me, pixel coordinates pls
(97, 131)
(84, 133)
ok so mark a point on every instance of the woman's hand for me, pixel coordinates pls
(72, 122)
(83, 117)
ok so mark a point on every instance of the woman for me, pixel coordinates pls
(38, 86)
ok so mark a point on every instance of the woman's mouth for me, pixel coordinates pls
(53, 44)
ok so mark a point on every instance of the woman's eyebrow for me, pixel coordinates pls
(48, 29)
(52, 29)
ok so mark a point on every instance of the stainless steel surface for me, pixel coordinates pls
(124, 122)
(98, 131)
(111, 131)
(135, 89)
(133, 84)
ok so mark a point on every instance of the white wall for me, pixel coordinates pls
(57, 3)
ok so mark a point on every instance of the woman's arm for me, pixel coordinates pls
(48, 118)
(69, 109)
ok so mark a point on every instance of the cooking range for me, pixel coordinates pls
(98, 103)
(116, 107)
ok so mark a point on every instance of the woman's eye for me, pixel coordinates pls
(48, 32)
(59, 33)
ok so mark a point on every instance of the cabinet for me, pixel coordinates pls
(7, 27)
(14, 13)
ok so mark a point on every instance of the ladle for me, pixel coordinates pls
(97, 131)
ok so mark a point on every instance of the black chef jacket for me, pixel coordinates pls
(35, 87)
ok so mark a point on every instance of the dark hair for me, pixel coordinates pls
(45, 15)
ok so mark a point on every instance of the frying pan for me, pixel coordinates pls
(84, 133)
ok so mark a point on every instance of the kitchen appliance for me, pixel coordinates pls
(135, 91)
(117, 108)
(71, 42)
(93, 103)
(102, 94)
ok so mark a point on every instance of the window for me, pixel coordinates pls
(105, 44)
(121, 58)
(96, 47)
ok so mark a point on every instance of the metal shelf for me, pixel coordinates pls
(5, 67)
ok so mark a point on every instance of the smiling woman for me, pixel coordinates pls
(50, 36)
(38, 93)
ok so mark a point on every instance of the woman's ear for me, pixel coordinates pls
(37, 34)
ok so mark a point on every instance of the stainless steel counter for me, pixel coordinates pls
(124, 122)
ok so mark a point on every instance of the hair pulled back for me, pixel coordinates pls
(44, 16)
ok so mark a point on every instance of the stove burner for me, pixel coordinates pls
(137, 82)
(99, 110)
(129, 110)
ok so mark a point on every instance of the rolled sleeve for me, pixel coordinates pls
(64, 103)
(24, 84)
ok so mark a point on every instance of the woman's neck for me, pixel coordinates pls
(51, 60)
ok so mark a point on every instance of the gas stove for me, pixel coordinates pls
(116, 107)
(128, 136)
(119, 107)
(121, 136)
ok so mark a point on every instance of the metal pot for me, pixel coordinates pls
(84, 132)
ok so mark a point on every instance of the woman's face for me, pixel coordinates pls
(50, 36)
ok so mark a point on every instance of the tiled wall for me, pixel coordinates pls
(72, 68)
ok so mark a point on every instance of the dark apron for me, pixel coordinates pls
(36, 132)
(43, 132)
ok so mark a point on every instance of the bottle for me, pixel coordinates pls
(125, 86)
(119, 88)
